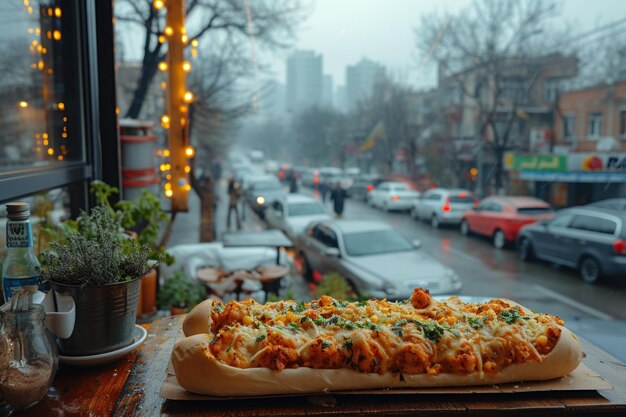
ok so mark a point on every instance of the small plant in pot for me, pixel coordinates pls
(180, 294)
(100, 269)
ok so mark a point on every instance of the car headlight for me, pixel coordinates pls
(260, 200)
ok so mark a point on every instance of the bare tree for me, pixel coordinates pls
(269, 24)
(479, 51)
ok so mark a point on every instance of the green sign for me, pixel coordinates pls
(553, 163)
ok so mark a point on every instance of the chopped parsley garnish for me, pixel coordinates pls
(454, 332)
(361, 303)
(474, 322)
(295, 326)
(219, 308)
(397, 331)
(304, 318)
(347, 344)
(432, 330)
(325, 344)
(343, 304)
(300, 307)
(510, 316)
(320, 321)
(260, 338)
(373, 326)
(348, 325)
(400, 322)
(375, 362)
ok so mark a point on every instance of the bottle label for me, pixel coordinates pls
(10, 285)
(19, 234)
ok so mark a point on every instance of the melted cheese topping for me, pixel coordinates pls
(420, 335)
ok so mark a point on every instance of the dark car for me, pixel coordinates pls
(362, 185)
(263, 190)
(611, 203)
(593, 240)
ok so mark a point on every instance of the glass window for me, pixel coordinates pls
(39, 106)
(622, 126)
(595, 125)
(325, 236)
(534, 211)
(467, 198)
(435, 197)
(375, 243)
(569, 121)
(551, 87)
(593, 224)
(562, 220)
(266, 185)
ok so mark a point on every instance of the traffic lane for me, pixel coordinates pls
(486, 271)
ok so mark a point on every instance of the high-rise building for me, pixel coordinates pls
(339, 99)
(360, 80)
(304, 80)
(272, 99)
(327, 90)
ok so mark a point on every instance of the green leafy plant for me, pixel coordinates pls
(272, 298)
(181, 291)
(142, 215)
(95, 253)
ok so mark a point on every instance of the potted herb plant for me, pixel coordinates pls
(100, 269)
(180, 294)
(141, 219)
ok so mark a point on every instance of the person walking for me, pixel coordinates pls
(233, 199)
(293, 183)
(323, 187)
(338, 197)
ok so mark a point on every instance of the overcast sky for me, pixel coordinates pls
(344, 31)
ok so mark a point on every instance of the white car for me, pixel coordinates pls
(294, 212)
(443, 206)
(393, 196)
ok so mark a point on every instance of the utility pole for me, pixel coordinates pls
(177, 188)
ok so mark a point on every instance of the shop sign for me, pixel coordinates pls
(552, 163)
(597, 162)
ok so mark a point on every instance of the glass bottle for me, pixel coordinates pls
(28, 356)
(21, 266)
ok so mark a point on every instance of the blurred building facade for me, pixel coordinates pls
(304, 80)
(360, 81)
(327, 91)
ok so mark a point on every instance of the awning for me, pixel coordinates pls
(603, 177)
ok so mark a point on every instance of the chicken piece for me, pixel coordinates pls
(323, 354)
(277, 358)
(412, 359)
(420, 298)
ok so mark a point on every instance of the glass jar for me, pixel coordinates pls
(28, 356)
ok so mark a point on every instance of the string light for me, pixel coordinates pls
(187, 187)
(50, 151)
(190, 151)
(165, 121)
(169, 193)
(194, 43)
(186, 66)
(185, 39)
(40, 65)
(166, 152)
(23, 104)
(162, 167)
(61, 106)
(57, 35)
(168, 31)
(194, 52)
(163, 85)
(188, 97)
(187, 169)
(158, 4)
(161, 39)
(163, 66)
(57, 12)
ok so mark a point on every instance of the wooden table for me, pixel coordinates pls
(130, 387)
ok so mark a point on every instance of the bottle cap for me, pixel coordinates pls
(18, 210)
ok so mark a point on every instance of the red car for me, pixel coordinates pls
(501, 217)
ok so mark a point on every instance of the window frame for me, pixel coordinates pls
(569, 117)
(92, 68)
(591, 118)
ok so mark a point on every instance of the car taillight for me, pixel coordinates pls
(619, 246)
(316, 180)
(395, 197)
(475, 203)
(370, 187)
(462, 195)
(446, 206)
(281, 174)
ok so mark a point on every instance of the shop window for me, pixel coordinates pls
(569, 124)
(622, 125)
(595, 125)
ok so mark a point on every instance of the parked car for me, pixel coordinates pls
(443, 206)
(293, 213)
(376, 259)
(362, 186)
(330, 176)
(393, 196)
(591, 239)
(310, 177)
(262, 190)
(611, 203)
(501, 218)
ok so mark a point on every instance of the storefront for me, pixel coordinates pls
(571, 180)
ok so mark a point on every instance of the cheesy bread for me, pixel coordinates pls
(247, 348)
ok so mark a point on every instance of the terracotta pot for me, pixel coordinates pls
(174, 311)
(149, 292)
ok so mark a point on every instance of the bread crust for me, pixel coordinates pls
(198, 371)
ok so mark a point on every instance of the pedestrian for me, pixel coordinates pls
(338, 196)
(323, 187)
(293, 183)
(233, 199)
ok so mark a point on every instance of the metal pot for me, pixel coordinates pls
(105, 317)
